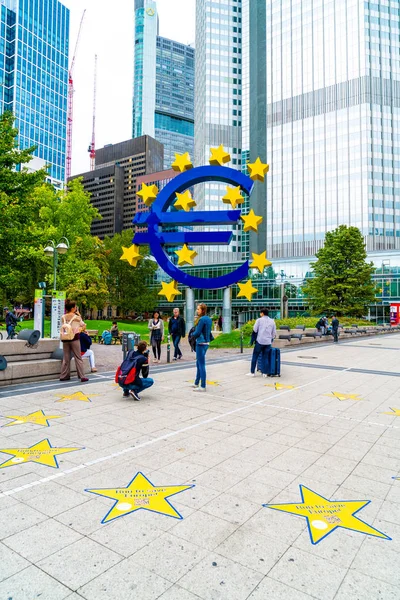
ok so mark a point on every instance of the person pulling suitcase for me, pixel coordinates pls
(265, 333)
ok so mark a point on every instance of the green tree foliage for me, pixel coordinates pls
(342, 281)
(129, 286)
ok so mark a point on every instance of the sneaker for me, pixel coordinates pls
(84, 379)
(134, 395)
(250, 374)
(195, 385)
(174, 358)
(65, 379)
(125, 395)
(179, 357)
(199, 389)
(94, 370)
(265, 375)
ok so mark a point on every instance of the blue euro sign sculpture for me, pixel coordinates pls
(158, 216)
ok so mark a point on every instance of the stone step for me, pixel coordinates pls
(34, 370)
(18, 350)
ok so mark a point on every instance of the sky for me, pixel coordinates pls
(108, 32)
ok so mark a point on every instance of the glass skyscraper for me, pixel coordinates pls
(163, 94)
(34, 40)
(331, 76)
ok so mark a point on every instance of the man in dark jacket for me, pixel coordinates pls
(177, 329)
(11, 321)
(335, 328)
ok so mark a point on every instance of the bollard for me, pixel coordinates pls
(30, 335)
(3, 363)
(168, 348)
(241, 342)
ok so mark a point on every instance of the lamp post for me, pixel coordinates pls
(58, 299)
(53, 249)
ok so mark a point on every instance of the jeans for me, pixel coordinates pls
(141, 384)
(259, 349)
(10, 331)
(201, 351)
(176, 340)
(335, 333)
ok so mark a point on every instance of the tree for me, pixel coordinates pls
(342, 281)
(129, 286)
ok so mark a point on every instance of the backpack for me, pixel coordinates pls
(192, 340)
(127, 371)
(66, 332)
(107, 337)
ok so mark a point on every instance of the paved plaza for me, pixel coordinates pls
(280, 489)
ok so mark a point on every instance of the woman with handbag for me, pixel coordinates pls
(71, 324)
(156, 326)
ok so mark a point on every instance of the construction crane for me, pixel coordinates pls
(70, 115)
(92, 147)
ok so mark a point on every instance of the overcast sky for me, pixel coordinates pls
(108, 32)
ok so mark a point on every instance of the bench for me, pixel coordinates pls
(93, 333)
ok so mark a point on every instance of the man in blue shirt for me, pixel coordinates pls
(265, 331)
(177, 329)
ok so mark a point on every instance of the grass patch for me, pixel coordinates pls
(138, 327)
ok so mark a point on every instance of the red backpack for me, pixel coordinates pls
(126, 373)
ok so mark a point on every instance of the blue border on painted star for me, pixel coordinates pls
(142, 508)
(158, 216)
(33, 461)
(336, 526)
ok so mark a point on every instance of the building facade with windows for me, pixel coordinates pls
(163, 89)
(34, 43)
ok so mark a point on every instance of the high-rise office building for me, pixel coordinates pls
(34, 39)
(331, 77)
(163, 89)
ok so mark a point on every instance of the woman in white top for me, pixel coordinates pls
(72, 348)
(156, 326)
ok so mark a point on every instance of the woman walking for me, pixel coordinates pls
(202, 335)
(71, 324)
(156, 326)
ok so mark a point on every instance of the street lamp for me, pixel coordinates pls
(53, 249)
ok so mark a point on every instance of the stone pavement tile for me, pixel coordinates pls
(15, 478)
(204, 530)
(178, 593)
(232, 508)
(367, 487)
(218, 578)
(390, 512)
(10, 562)
(269, 589)
(376, 459)
(125, 582)
(339, 547)
(239, 467)
(169, 557)
(310, 443)
(129, 534)
(79, 563)
(294, 460)
(378, 561)
(217, 479)
(53, 499)
(41, 540)
(323, 474)
(261, 453)
(185, 470)
(255, 490)
(359, 586)
(254, 551)
(86, 518)
(196, 497)
(32, 583)
(283, 439)
(345, 465)
(18, 517)
(274, 525)
(309, 573)
(380, 474)
(344, 451)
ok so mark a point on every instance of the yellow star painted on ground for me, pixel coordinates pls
(37, 418)
(246, 290)
(251, 221)
(184, 201)
(280, 386)
(169, 290)
(341, 396)
(324, 516)
(219, 156)
(186, 256)
(182, 162)
(132, 255)
(79, 396)
(141, 494)
(260, 261)
(257, 170)
(148, 193)
(395, 412)
(42, 453)
(233, 196)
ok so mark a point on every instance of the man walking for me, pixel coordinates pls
(177, 329)
(265, 331)
(335, 328)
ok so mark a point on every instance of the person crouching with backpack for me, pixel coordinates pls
(71, 325)
(128, 376)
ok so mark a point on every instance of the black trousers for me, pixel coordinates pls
(335, 333)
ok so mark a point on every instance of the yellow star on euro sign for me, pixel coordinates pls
(251, 221)
(78, 396)
(219, 156)
(184, 201)
(324, 516)
(169, 290)
(148, 193)
(42, 453)
(258, 170)
(233, 196)
(246, 290)
(132, 255)
(37, 418)
(395, 412)
(341, 396)
(280, 386)
(141, 494)
(182, 162)
(186, 256)
(260, 261)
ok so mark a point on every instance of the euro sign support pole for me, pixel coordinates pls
(189, 309)
(168, 348)
(227, 311)
(241, 342)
